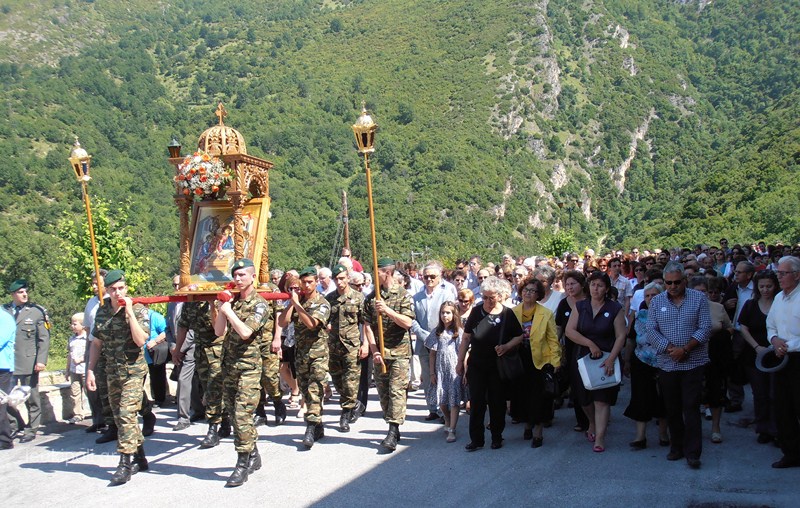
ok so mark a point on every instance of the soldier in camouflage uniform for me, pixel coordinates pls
(397, 311)
(344, 344)
(241, 321)
(121, 329)
(196, 316)
(270, 372)
(310, 314)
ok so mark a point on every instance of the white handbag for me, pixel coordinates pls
(593, 374)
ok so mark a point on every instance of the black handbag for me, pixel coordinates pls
(509, 366)
(550, 381)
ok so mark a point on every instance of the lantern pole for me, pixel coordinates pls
(81, 162)
(364, 130)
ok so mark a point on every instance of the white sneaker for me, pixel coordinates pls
(451, 436)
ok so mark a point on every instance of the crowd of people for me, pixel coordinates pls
(521, 338)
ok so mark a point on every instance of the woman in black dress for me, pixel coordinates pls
(598, 326)
(492, 330)
(575, 289)
(753, 325)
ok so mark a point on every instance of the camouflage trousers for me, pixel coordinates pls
(270, 374)
(392, 389)
(311, 365)
(208, 365)
(345, 371)
(241, 391)
(125, 397)
(101, 381)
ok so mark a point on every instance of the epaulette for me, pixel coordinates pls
(44, 313)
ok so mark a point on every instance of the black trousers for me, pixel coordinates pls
(486, 389)
(682, 391)
(787, 404)
(363, 382)
(5, 427)
(158, 382)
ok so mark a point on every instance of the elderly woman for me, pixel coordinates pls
(491, 330)
(598, 326)
(540, 353)
(547, 275)
(720, 356)
(640, 364)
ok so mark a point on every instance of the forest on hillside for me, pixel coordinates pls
(502, 124)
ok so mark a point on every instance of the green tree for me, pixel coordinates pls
(115, 250)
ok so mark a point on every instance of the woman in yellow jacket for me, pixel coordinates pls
(541, 357)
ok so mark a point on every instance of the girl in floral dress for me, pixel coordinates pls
(445, 341)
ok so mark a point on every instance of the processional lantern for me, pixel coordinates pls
(81, 163)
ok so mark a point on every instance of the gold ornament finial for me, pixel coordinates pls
(221, 113)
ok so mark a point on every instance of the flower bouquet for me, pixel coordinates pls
(201, 175)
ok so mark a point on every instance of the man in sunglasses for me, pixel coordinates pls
(679, 324)
(426, 311)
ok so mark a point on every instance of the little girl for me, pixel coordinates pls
(445, 341)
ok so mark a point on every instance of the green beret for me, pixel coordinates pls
(241, 263)
(338, 269)
(17, 285)
(113, 276)
(309, 270)
(384, 262)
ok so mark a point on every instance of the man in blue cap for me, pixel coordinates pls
(30, 352)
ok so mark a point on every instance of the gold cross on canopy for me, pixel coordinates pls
(221, 113)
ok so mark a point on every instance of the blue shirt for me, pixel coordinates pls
(677, 325)
(158, 325)
(8, 333)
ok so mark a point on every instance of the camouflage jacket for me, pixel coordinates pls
(115, 332)
(347, 312)
(239, 354)
(319, 308)
(196, 316)
(396, 339)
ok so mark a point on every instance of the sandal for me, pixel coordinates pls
(294, 401)
(590, 437)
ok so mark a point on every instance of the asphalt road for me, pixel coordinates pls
(65, 466)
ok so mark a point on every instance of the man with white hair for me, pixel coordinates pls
(325, 285)
(783, 331)
(426, 311)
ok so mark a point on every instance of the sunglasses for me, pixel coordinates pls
(464, 301)
(430, 277)
(673, 282)
(357, 285)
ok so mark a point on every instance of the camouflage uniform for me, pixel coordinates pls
(397, 352)
(241, 365)
(270, 363)
(347, 312)
(311, 357)
(196, 316)
(125, 371)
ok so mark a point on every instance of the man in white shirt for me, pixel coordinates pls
(783, 331)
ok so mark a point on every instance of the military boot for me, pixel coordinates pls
(390, 441)
(253, 461)
(357, 412)
(212, 438)
(123, 472)
(225, 428)
(109, 435)
(344, 420)
(139, 460)
(240, 471)
(319, 431)
(308, 440)
(280, 411)
(148, 423)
